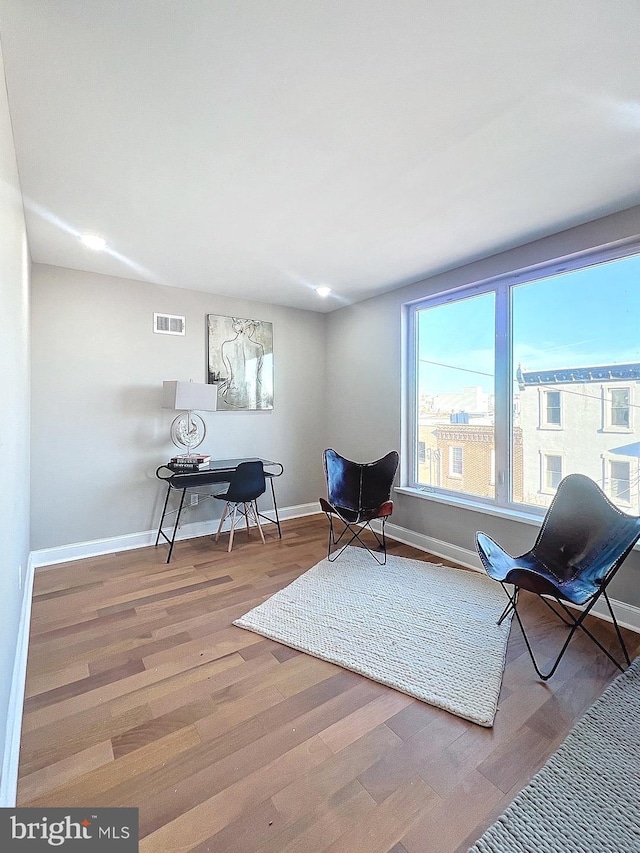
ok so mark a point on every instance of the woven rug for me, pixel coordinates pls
(424, 629)
(586, 798)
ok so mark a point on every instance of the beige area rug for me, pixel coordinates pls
(424, 629)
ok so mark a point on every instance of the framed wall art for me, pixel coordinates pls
(240, 362)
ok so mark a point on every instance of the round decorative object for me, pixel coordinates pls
(188, 430)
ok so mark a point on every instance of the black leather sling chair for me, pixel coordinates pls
(583, 541)
(358, 493)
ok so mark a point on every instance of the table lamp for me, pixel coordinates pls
(188, 429)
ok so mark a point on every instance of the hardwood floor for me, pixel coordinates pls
(141, 692)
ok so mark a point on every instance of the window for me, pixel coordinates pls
(508, 379)
(455, 461)
(552, 473)
(454, 397)
(620, 411)
(620, 482)
(551, 414)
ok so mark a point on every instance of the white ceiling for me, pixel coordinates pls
(260, 148)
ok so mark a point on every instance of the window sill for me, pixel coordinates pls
(480, 506)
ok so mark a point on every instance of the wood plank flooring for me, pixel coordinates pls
(141, 692)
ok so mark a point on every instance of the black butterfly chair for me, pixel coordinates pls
(583, 541)
(246, 485)
(357, 494)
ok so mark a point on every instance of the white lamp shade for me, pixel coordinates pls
(187, 396)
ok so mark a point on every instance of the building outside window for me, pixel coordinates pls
(551, 415)
(620, 482)
(620, 411)
(552, 473)
(507, 380)
(455, 461)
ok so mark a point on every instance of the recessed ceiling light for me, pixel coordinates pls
(92, 241)
(323, 291)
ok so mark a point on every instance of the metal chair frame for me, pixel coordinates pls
(571, 622)
(356, 528)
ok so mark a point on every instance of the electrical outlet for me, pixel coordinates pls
(194, 500)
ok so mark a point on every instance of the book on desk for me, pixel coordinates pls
(190, 462)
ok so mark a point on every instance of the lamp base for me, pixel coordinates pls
(188, 431)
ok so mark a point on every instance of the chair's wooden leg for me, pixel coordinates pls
(222, 518)
(233, 526)
(257, 518)
(246, 518)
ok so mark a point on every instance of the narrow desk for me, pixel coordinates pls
(219, 471)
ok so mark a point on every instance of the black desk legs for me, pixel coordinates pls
(164, 511)
(161, 532)
(275, 507)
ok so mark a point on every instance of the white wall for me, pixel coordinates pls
(364, 376)
(99, 431)
(14, 446)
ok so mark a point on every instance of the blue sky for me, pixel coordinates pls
(587, 317)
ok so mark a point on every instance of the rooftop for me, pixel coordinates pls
(566, 375)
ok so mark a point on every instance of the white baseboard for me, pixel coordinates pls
(437, 547)
(11, 753)
(628, 615)
(80, 550)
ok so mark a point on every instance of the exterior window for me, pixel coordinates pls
(620, 482)
(552, 472)
(454, 395)
(514, 382)
(552, 412)
(455, 462)
(620, 408)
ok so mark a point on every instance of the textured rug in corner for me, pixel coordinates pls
(586, 798)
(426, 630)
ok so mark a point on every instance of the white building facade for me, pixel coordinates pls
(584, 420)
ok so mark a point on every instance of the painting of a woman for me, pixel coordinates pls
(241, 362)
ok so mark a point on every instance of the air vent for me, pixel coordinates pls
(168, 324)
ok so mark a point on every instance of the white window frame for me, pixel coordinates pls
(607, 391)
(543, 396)
(545, 488)
(501, 285)
(615, 497)
(455, 475)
